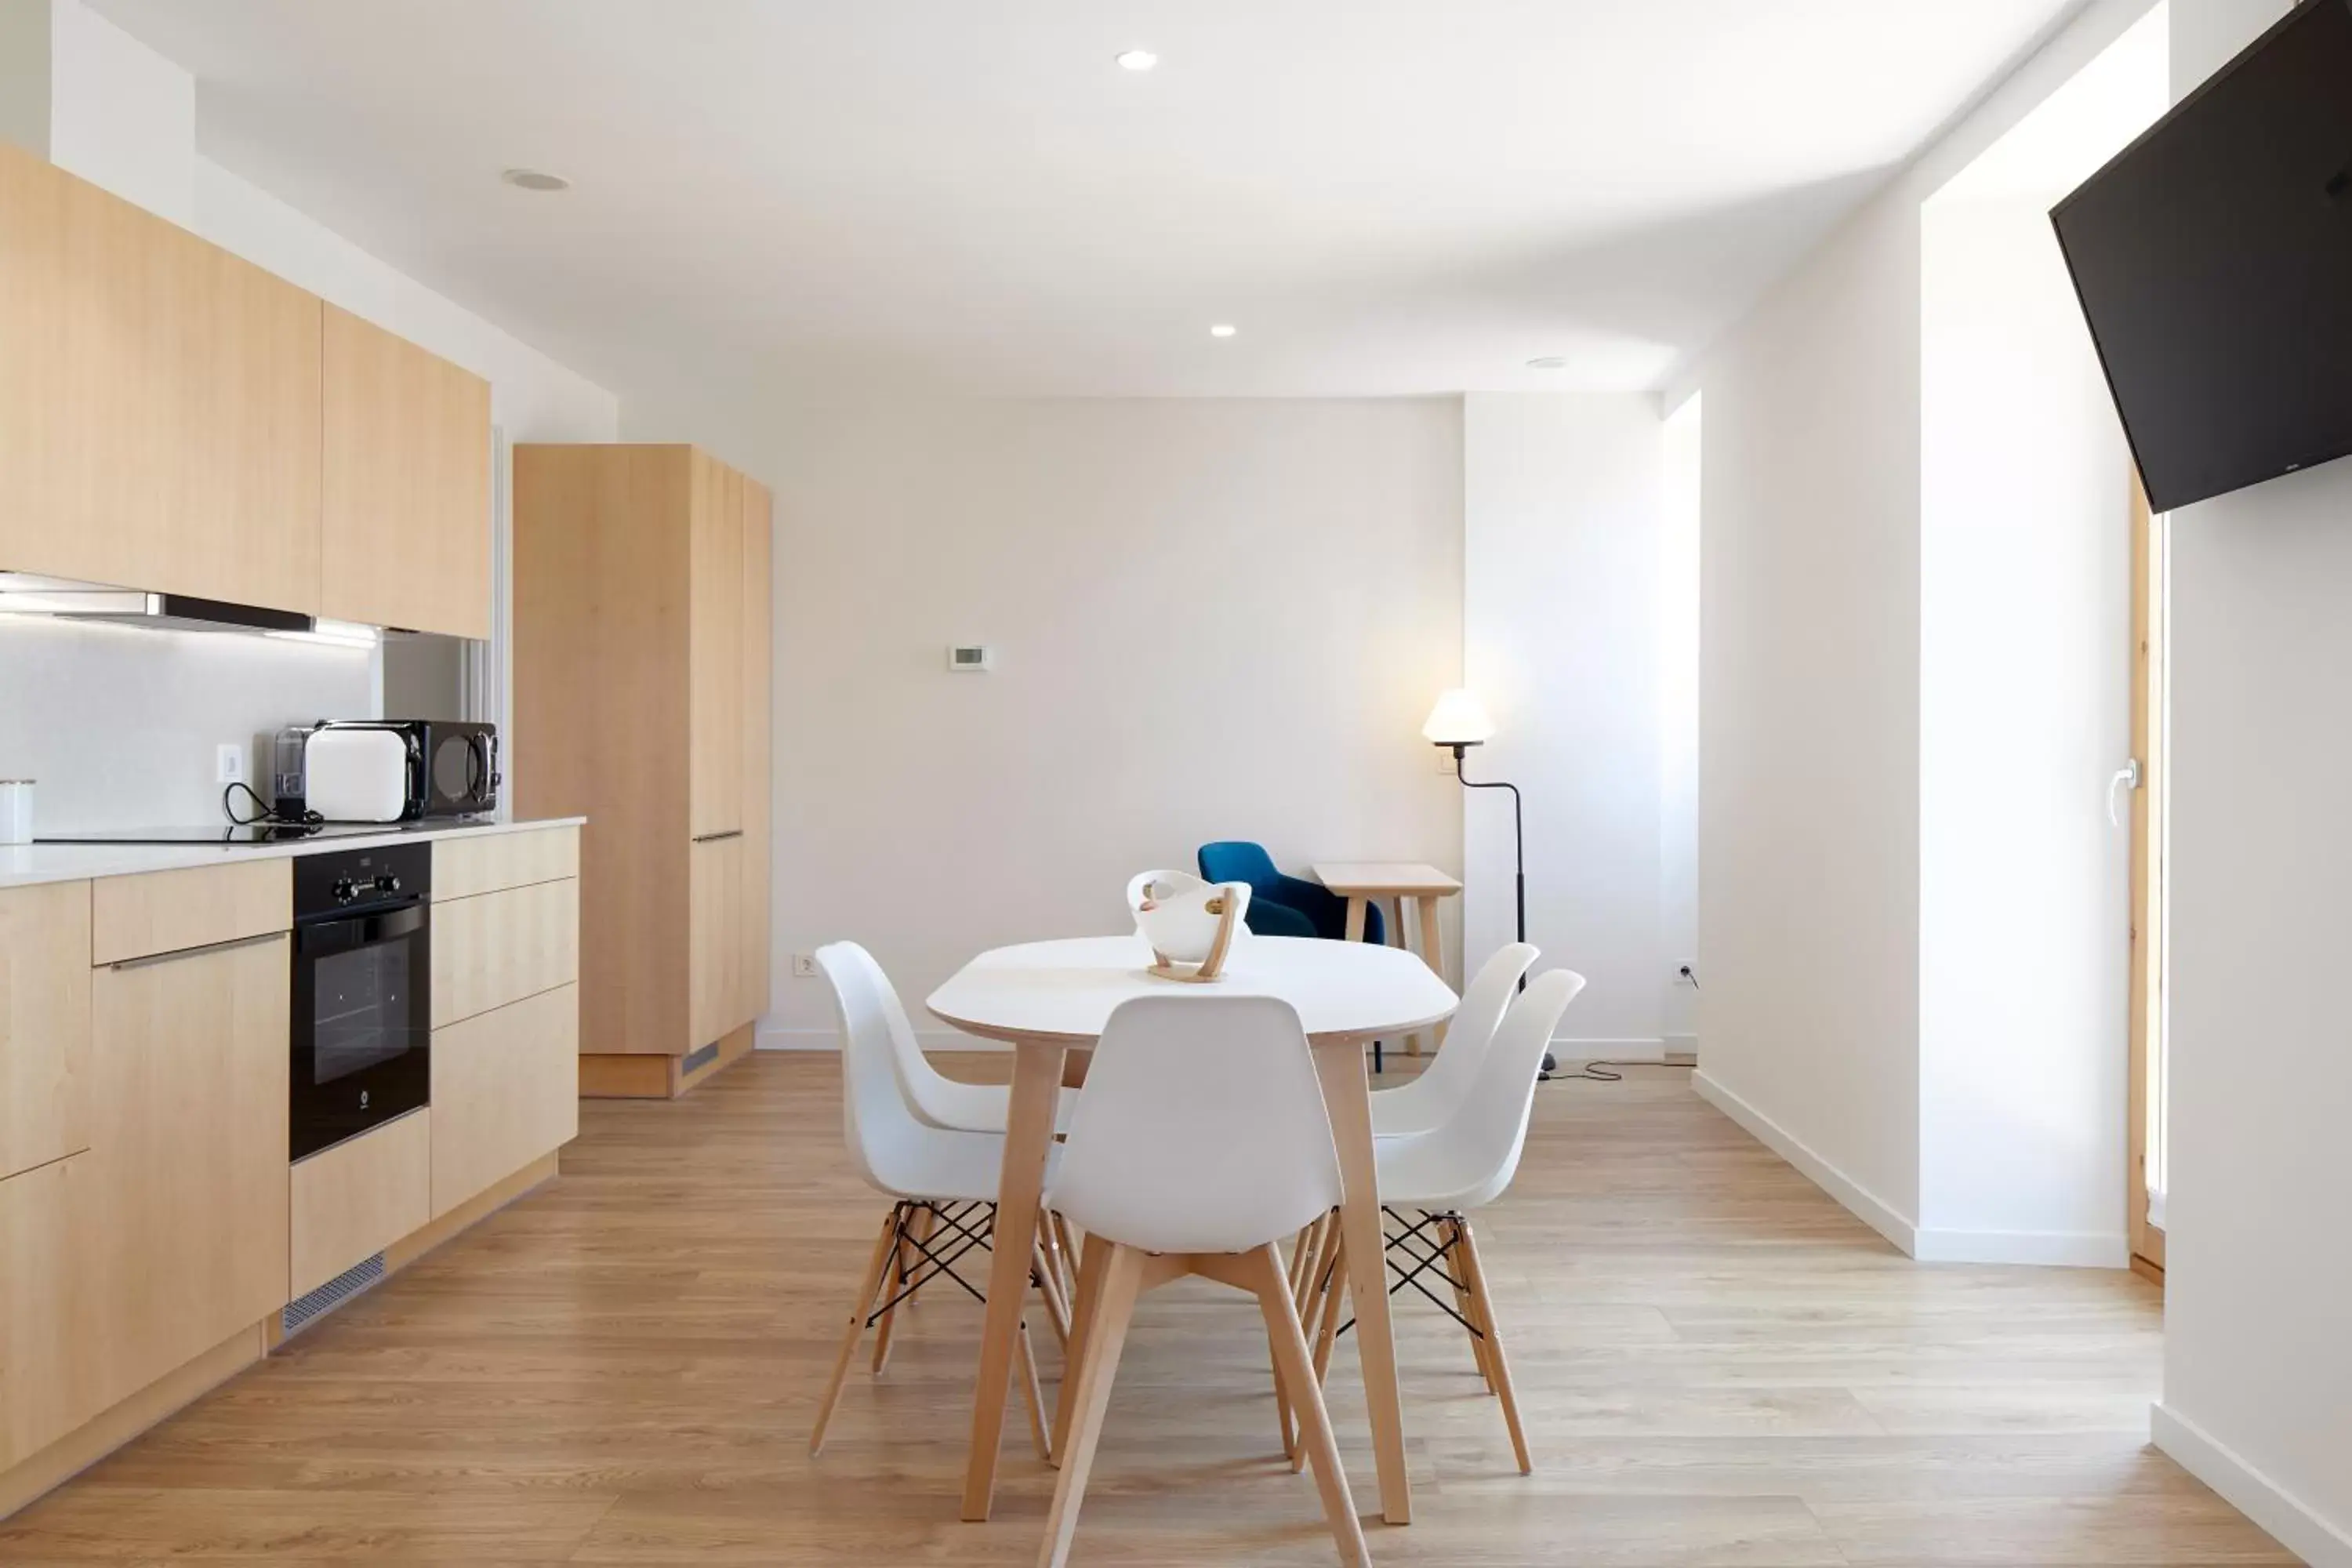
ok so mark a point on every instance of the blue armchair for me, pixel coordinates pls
(1280, 905)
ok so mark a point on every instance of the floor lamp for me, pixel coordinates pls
(1458, 722)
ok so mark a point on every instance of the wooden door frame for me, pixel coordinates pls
(2148, 814)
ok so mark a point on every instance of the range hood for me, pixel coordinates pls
(23, 594)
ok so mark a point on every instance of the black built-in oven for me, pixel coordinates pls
(362, 991)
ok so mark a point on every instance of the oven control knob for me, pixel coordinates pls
(387, 884)
(346, 889)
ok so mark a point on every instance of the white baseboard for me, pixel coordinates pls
(1865, 1204)
(2299, 1527)
(2049, 1248)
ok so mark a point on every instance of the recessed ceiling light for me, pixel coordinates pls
(1224, 329)
(1549, 361)
(535, 180)
(1137, 60)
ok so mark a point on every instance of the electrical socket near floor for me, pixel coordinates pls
(228, 763)
(803, 966)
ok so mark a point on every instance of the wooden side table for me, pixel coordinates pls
(1362, 882)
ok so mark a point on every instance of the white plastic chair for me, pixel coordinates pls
(1202, 1137)
(943, 1183)
(1465, 1163)
(1422, 1103)
(936, 1099)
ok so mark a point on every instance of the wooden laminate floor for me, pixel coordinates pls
(1717, 1365)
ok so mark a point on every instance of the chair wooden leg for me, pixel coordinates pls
(1065, 1234)
(1449, 1235)
(1049, 1286)
(902, 1264)
(1103, 1335)
(1049, 1239)
(1334, 1290)
(1315, 1438)
(867, 1295)
(1302, 1262)
(1483, 1300)
(926, 1222)
(1032, 1395)
(1095, 1263)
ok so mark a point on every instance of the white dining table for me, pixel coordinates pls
(1048, 998)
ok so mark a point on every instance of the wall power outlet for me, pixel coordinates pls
(803, 966)
(228, 765)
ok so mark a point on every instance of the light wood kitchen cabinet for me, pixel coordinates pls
(641, 651)
(44, 1025)
(405, 482)
(50, 1353)
(166, 911)
(758, 723)
(188, 1112)
(715, 648)
(500, 947)
(351, 1201)
(158, 401)
(506, 1089)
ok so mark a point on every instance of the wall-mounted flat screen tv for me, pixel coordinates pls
(2213, 258)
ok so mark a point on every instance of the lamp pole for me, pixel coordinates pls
(1519, 849)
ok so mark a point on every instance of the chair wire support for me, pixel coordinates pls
(1427, 1252)
(959, 1228)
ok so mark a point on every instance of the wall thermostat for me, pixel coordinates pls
(973, 657)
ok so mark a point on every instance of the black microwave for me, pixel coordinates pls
(448, 767)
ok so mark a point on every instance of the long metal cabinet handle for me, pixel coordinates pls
(143, 960)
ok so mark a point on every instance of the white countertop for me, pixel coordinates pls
(24, 865)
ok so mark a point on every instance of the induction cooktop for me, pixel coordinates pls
(249, 835)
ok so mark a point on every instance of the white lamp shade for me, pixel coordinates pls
(1458, 719)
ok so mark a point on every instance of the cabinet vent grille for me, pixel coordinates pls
(332, 1294)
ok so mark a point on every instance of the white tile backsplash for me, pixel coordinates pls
(121, 724)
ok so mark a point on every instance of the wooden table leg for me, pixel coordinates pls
(1347, 1094)
(1028, 1133)
(1400, 937)
(1432, 949)
(1357, 905)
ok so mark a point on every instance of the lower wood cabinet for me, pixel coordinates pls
(188, 1143)
(44, 1025)
(717, 1000)
(497, 948)
(357, 1198)
(50, 1360)
(506, 1089)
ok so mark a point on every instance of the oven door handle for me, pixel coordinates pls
(360, 930)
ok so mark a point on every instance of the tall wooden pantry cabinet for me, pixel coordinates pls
(641, 677)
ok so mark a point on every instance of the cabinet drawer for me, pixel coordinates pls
(44, 1024)
(169, 911)
(358, 1198)
(506, 1091)
(50, 1348)
(462, 867)
(501, 947)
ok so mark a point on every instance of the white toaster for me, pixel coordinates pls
(356, 774)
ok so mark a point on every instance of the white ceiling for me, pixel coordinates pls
(1386, 196)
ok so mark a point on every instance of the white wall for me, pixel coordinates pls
(2257, 1367)
(1811, 785)
(123, 117)
(1212, 619)
(1562, 601)
(2025, 683)
(1679, 707)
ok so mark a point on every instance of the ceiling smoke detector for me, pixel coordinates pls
(535, 180)
(1137, 59)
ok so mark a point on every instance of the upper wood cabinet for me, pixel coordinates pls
(158, 401)
(405, 534)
